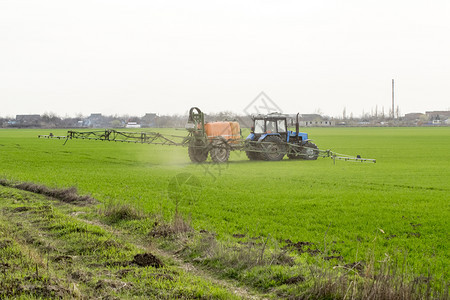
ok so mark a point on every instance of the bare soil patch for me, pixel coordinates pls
(147, 259)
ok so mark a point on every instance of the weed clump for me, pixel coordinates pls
(383, 284)
(67, 195)
(115, 212)
(179, 225)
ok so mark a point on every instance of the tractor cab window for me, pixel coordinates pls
(259, 126)
(271, 126)
(281, 126)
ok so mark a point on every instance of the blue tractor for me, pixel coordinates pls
(271, 140)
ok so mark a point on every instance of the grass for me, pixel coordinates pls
(46, 253)
(396, 209)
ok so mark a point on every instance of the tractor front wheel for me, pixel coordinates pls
(254, 150)
(273, 148)
(252, 155)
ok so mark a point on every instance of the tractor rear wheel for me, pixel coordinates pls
(310, 151)
(273, 148)
(198, 152)
(220, 151)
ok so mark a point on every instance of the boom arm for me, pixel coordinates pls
(125, 136)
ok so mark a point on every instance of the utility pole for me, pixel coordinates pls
(393, 115)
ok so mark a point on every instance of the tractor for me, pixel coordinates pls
(271, 140)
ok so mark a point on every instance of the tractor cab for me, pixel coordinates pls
(269, 125)
(275, 124)
(270, 139)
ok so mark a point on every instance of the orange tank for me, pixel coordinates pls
(235, 131)
(227, 130)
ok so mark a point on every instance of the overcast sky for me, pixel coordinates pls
(134, 57)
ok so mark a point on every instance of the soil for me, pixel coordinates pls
(161, 231)
(124, 272)
(4, 266)
(333, 257)
(113, 284)
(301, 247)
(147, 259)
(45, 291)
(414, 234)
(62, 258)
(81, 276)
(21, 208)
(5, 243)
(238, 235)
(357, 265)
(294, 280)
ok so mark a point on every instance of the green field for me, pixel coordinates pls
(396, 209)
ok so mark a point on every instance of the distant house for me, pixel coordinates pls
(27, 120)
(95, 120)
(413, 117)
(364, 122)
(441, 115)
(311, 120)
(132, 125)
(149, 120)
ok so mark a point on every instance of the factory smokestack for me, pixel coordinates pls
(393, 113)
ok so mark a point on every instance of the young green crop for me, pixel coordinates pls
(395, 209)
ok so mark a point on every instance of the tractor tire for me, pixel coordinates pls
(253, 145)
(253, 155)
(309, 151)
(198, 153)
(220, 151)
(273, 148)
(293, 156)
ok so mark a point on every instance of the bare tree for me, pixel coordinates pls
(318, 111)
